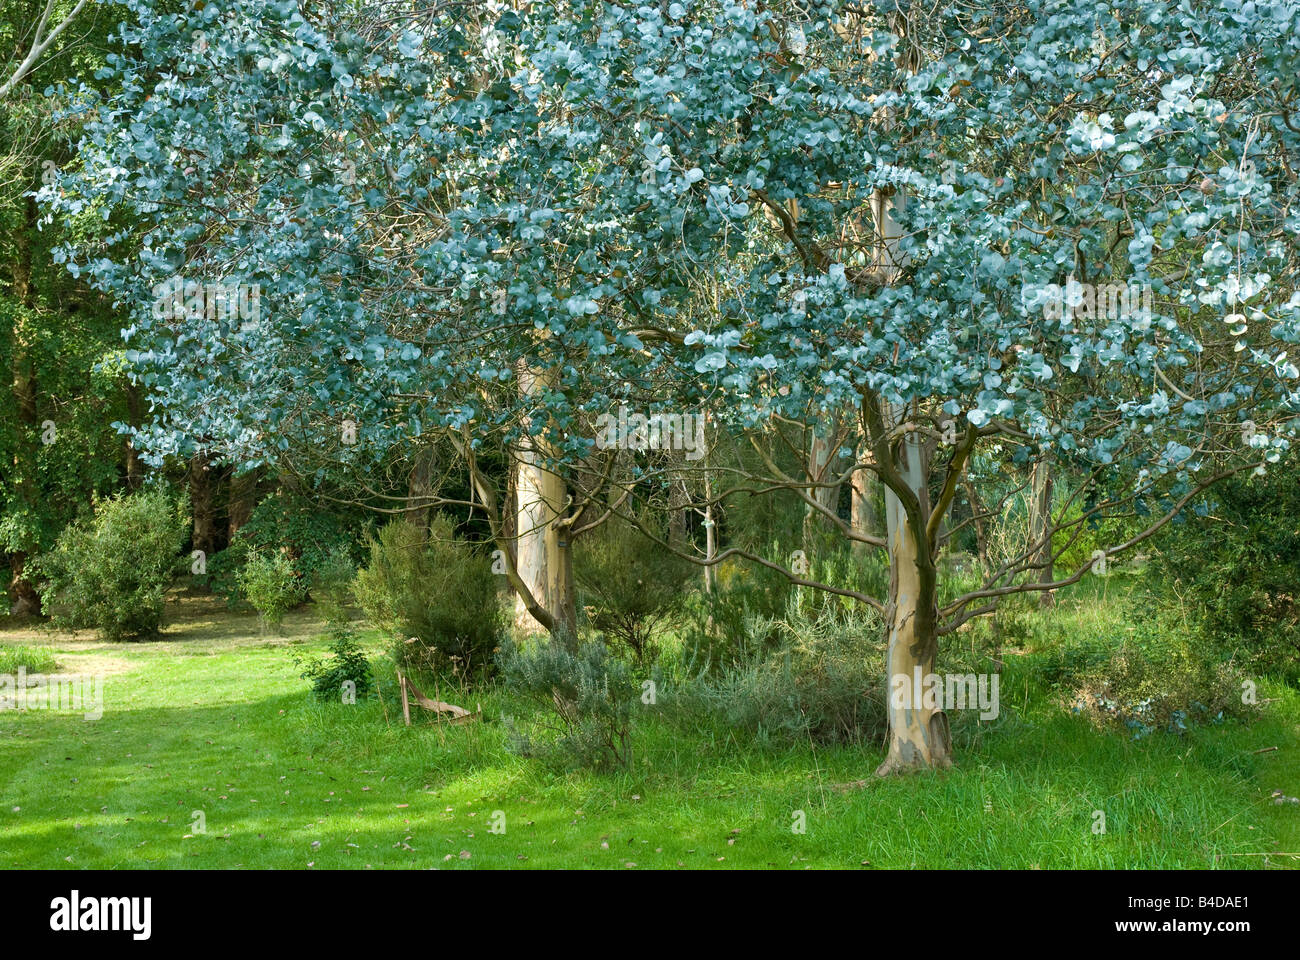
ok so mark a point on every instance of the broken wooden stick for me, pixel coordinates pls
(411, 692)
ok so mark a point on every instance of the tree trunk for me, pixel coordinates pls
(1040, 523)
(822, 451)
(243, 498)
(22, 592)
(201, 505)
(542, 555)
(134, 465)
(918, 730)
(419, 489)
(863, 510)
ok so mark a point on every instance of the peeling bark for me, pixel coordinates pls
(542, 554)
(919, 737)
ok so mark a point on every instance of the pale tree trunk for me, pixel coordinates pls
(918, 732)
(1040, 522)
(822, 450)
(543, 557)
(919, 736)
(862, 512)
(419, 489)
(710, 537)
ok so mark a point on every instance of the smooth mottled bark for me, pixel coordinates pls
(862, 511)
(919, 736)
(543, 557)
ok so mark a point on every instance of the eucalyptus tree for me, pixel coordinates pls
(902, 212)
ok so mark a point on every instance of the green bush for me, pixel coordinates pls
(314, 536)
(437, 596)
(1148, 678)
(272, 585)
(817, 672)
(1233, 570)
(111, 570)
(590, 692)
(347, 664)
(719, 623)
(630, 588)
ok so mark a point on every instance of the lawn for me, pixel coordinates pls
(214, 718)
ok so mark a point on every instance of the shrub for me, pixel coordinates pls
(313, 535)
(111, 570)
(591, 693)
(719, 623)
(814, 673)
(630, 588)
(272, 586)
(1148, 679)
(347, 664)
(1234, 570)
(438, 597)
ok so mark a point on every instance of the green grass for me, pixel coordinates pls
(30, 659)
(214, 718)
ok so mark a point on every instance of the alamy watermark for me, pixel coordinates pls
(177, 298)
(658, 431)
(1090, 301)
(956, 691)
(53, 691)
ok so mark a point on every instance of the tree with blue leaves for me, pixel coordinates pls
(1056, 232)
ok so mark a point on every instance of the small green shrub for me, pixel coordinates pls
(590, 693)
(314, 535)
(817, 673)
(30, 659)
(272, 586)
(111, 570)
(347, 664)
(631, 589)
(1231, 570)
(1145, 680)
(437, 596)
(719, 623)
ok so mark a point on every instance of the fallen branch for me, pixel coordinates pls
(411, 692)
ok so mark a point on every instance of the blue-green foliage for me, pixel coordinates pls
(677, 198)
